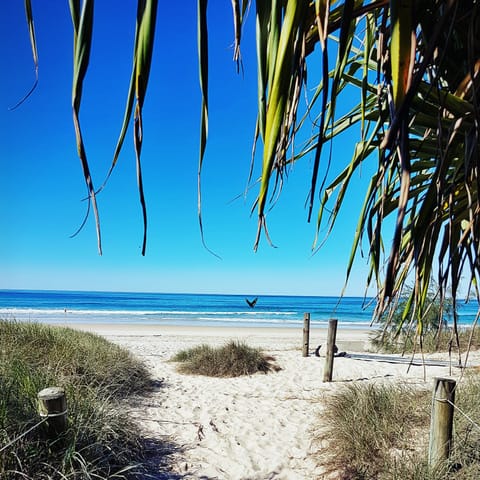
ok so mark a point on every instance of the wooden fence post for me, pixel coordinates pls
(52, 403)
(441, 424)
(306, 334)
(332, 334)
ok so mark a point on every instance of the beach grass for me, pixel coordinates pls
(378, 431)
(233, 359)
(100, 440)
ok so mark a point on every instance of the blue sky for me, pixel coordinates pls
(42, 184)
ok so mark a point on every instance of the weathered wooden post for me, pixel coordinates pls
(441, 424)
(332, 334)
(306, 334)
(52, 403)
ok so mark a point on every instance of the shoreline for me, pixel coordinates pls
(351, 339)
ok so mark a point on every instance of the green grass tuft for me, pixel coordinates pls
(100, 440)
(231, 360)
(364, 423)
(380, 432)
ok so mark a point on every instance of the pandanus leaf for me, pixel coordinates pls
(142, 59)
(33, 45)
(277, 96)
(146, 19)
(238, 17)
(202, 38)
(401, 12)
(82, 18)
(263, 10)
(345, 43)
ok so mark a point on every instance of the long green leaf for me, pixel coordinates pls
(263, 10)
(277, 99)
(202, 36)
(345, 43)
(142, 59)
(401, 12)
(82, 18)
(33, 44)
(146, 20)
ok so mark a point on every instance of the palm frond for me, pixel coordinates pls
(418, 109)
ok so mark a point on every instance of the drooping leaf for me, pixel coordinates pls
(280, 80)
(142, 59)
(146, 20)
(33, 44)
(202, 35)
(82, 18)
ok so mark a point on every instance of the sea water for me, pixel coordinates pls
(70, 307)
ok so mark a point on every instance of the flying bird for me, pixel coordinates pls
(251, 303)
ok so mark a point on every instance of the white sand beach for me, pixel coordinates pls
(255, 427)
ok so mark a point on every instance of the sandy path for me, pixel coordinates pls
(255, 427)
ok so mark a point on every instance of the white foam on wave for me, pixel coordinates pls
(89, 312)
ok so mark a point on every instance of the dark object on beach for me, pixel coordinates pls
(251, 303)
(335, 350)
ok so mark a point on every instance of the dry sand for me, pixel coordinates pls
(256, 427)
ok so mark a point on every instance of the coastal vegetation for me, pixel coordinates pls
(406, 75)
(392, 442)
(230, 360)
(398, 331)
(445, 340)
(100, 441)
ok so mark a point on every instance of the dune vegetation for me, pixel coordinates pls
(392, 442)
(399, 329)
(230, 360)
(100, 440)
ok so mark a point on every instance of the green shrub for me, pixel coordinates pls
(232, 360)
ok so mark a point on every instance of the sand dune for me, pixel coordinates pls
(254, 427)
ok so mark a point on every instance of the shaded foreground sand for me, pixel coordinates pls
(255, 427)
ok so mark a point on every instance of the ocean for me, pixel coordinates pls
(71, 307)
